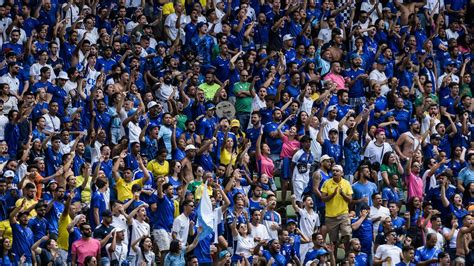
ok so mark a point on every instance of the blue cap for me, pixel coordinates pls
(449, 62)
(290, 221)
(355, 55)
(200, 24)
(131, 112)
(66, 119)
(389, 114)
(321, 252)
(382, 61)
(210, 106)
(161, 43)
(413, 121)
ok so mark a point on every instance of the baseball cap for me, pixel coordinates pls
(151, 104)
(325, 157)
(235, 123)
(287, 37)
(333, 130)
(355, 55)
(9, 173)
(290, 221)
(435, 136)
(332, 108)
(382, 61)
(190, 147)
(210, 106)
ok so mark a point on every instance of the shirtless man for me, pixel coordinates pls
(408, 8)
(463, 239)
(408, 141)
(187, 170)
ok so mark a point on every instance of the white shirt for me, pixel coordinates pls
(450, 34)
(386, 250)
(120, 252)
(181, 228)
(439, 238)
(170, 23)
(164, 92)
(432, 5)
(53, 123)
(367, 6)
(66, 148)
(134, 131)
(70, 85)
(35, 72)
(452, 242)
(4, 23)
(316, 148)
(258, 104)
(139, 229)
(244, 245)
(378, 76)
(13, 82)
(330, 125)
(454, 78)
(217, 219)
(120, 222)
(259, 231)
(375, 153)
(91, 78)
(92, 36)
(71, 14)
(308, 222)
(3, 123)
(375, 213)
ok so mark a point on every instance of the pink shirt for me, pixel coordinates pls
(83, 248)
(415, 186)
(338, 79)
(266, 165)
(289, 147)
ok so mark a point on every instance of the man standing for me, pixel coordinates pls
(408, 141)
(182, 224)
(376, 149)
(337, 193)
(86, 246)
(21, 233)
(389, 253)
(309, 221)
(301, 162)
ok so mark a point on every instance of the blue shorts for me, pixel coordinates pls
(285, 168)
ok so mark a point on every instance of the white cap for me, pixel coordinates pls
(332, 107)
(287, 37)
(190, 147)
(151, 104)
(9, 173)
(325, 157)
(63, 75)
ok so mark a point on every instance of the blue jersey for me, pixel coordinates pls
(97, 202)
(363, 191)
(22, 247)
(39, 227)
(163, 217)
(424, 253)
(279, 259)
(53, 217)
(365, 233)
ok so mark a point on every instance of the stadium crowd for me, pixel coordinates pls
(236, 132)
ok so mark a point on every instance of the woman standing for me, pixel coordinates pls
(48, 255)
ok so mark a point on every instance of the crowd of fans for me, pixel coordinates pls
(320, 132)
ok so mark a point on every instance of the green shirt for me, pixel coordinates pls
(209, 90)
(242, 104)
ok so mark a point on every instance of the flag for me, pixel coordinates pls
(205, 214)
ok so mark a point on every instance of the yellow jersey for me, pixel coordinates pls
(158, 169)
(226, 156)
(6, 229)
(28, 204)
(86, 192)
(63, 234)
(337, 205)
(124, 189)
